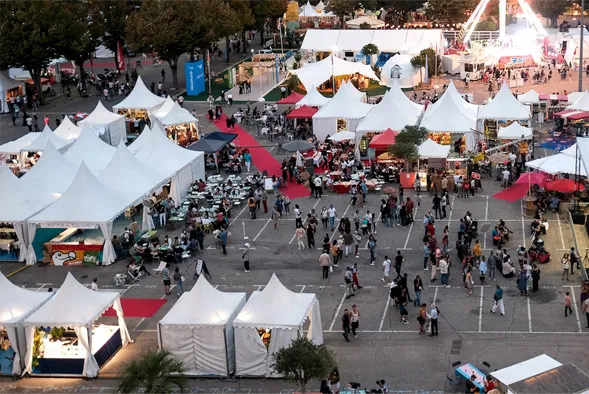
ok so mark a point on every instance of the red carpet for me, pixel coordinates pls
(513, 193)
(262, 159)
(138, 307)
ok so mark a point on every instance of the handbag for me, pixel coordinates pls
(331, 268)
(182, 278)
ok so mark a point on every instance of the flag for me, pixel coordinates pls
(120, 57)
(426, 69)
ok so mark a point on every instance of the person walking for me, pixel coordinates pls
(311, 235)
(498, 298)
(386, 268)
(567, 304)
(166, 279)
(492, 265)
(355, 276)
(251, 202)
(334, 252)
(325, 264)
(402, 303)
(300, 235)
(346, 325)
(566, 266)
(468, 281)
(399, 263)
(355, 319)
(417, 288)
(437, 201)
(535, 278)
(286, 203)
(275, 216)
(426, 254)
(246, 257)
(372, 247)
(163, 72)
(482, 270)
(522, 283)
(223, 239)
(264, 199)
(332, 214)
(324, 216)
(348, 242)
(434, 314)
(422, 318)
(357, 238)
(179, 280)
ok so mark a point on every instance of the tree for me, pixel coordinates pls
(370, 49)
(407, 141)
(342, 8)
(486, 25)
(266, 12)
(433, 61)
(246, 18)
(303, 361)
(154, 372)
(449, 10)
(551, 9)
(114, 15)
(30, 34)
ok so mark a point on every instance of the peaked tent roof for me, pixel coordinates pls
(505, 107)
(530, 97)
(52, 173)
(430, 149)
(17, 303)
(90, 149)
(395, 111)
(7, 178)
(203, 306)
(344, 105)
(292, 98)
(84, 204)
(582, 103)
(514, 131)
(349, 89)
(73, 305)
(164, 108)
(275, 306)
(8, 83)
(14, 147)
(570, 151)
(468, 108)
(313, 98)
(43, 139)
(176, 115)
(140, 98)
(136, 145)
(213, 142)
(583, 147)
(314, 74)
(127, 175)
(101, 116)
(303, 112)
(309, 11)
(449, 114)
(384, 140)
(574, 96)
(67, 129)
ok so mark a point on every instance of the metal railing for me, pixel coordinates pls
(475, 36)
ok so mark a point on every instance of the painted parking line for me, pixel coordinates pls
(263, 228)
(576, 309)
(335, 316)
(481, 309)
(304, 222)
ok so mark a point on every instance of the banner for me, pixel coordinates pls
(120, 57)
(195, 77)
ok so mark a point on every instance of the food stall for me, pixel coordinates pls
(9, 89)
(68, 248)
(179, 125)
(136, 105)
(63, 337)
(381, 142)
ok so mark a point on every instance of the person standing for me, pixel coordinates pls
(311, 235)
(566, 265)
(300, 235)
(522, 283)
(468, 281)
(492, 265)
(498, 297)
(444, 268)
(298, 214)
(251, 202)
(355, 319)
(325, 264)
(535, 278)
(94, 285)
(246, 257)
(247, 157)
(318, 186)
(179, 280)
(437, 201)
(386, 268)
(434, 314)
(223, 239)
(355, 276)
(372, 247)
(286, 204)
(264, 200)
(585, 308)
(346, 325)
(422, 318)
(275, 216)
(417, 288)
(357, 238)
(163, 72)
(166, 279)
(399, 263)
(567, 304)
(482, 270)
(426, 255)
(348, 241)
(332, 214)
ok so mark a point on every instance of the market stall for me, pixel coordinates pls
(373, 22)
(46, 136)
(136, 105)
(9, 88)
(400, 70)
(291, 99)
(558, 164)
(198, 330)
(111, 127)
(62, 337)
(179, 125)
(270, 320)
(381, 142)
(10, 151)
(17, 304)
(213, 142)
(67, 130)
(524, 370)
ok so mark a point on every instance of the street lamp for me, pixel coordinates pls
(334, 49)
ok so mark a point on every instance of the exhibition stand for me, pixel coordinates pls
(198, 330)
(63, 338)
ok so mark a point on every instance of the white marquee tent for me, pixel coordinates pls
(348, 88)
(110, 126)
(313, 98)
(574, 96)
(46, 136)
(67, 129)
(399, 69)
(341, 107)
(139, 98)
(514, 131)
(17, 303)
(531, 97)
(582, 103)
(76, 306)
(373, 22)
(163, 109)
(430, 149)
(556, 164)
(395, 111)
(7, 178)
(89, 148)
(571, 151)
(583, 152)
(309, 11)
(314, 74)
(6, 84)
(505, 107)
(284, 313)
(14, 147)
(198, 330)
(175, 116)
(140, 141)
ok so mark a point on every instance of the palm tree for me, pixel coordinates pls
(153, 372)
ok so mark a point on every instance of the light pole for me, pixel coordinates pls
(260, 67)
(582, 44)
(332, 70)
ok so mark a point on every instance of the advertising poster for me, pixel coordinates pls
(195, 77)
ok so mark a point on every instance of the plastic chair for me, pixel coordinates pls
(158, 271)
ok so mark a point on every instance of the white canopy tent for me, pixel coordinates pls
(320, 40)
(570, 151)
(395, 111)
(309, 12)
(284, 313)
(90, 149)
(175, 116)
(87, 203)
(198, 330)
(17, 303)
(373, 22)
(556, 164)
(340, 136)
(7, 178)
(574, 96)
(46, 136)
(163, 109)
(111, 127)
(15, 147)
(139, 98)
(525, 369)
(140, 141)
(342, 107)
(430, 149)
(184, 165)
(531, 97)
(7, 84)
(76, 306)
(314, 74)
(400, 70)
(320, 5)
(352, 40)
(505, 107)
(582, 103)
(348, 88)
(67, 129)
(312, 99)
(583, 152)
(514, 131)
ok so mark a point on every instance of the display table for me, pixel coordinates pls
(344, 187)
(69, 360)
(467, 370)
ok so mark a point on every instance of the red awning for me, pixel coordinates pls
(564, 185)
(572, 114)
(303, 112)
(384, 140)
(548, 96)
(292, 99)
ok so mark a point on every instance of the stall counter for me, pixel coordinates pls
(59, 252)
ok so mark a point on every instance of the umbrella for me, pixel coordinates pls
(343, 136)
(385, 157)
(531, 178)
(564, 186)
(498, 157)
(297, 145)
(389, 190)
(299, 162)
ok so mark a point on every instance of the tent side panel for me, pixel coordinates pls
(209, 345)
(281, 338)
(250, 352)
(179, 342)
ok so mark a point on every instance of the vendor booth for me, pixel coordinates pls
(303, 112)
(291, 99)
(270, 320)
(110, 127)
(9, 88)
(313, 98)
(136, 105)
(198, 330)
(399, 69)
(17, 304)
(46, 136)
(381, 143)
(10, 151)
(67, 130)
(531, 97)
(62, 336)
(430, 149)
(558, 164)
(178, 124)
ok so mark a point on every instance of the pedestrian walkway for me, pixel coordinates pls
(262, 159)
(260, 86)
